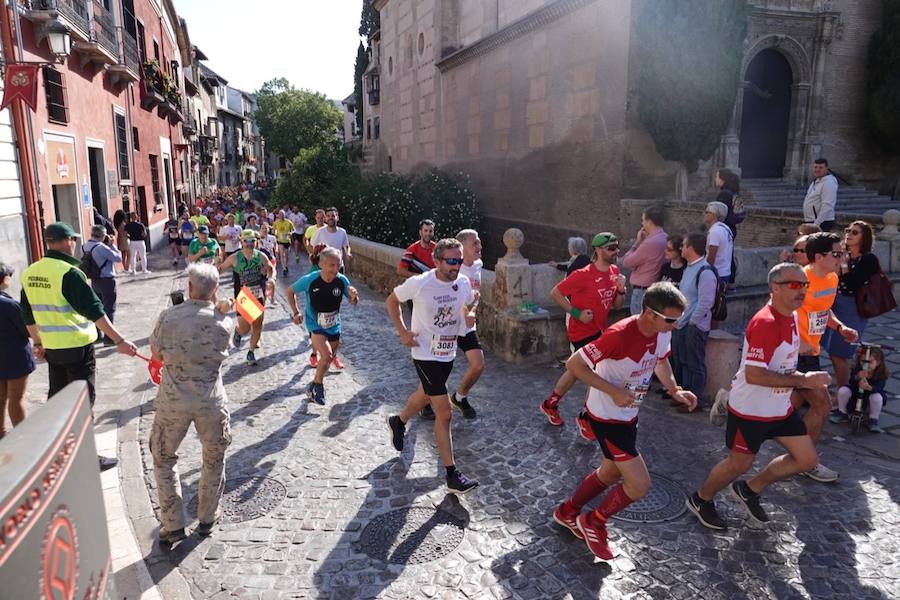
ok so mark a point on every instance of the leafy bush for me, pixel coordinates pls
(689, 68)
(884, 78)
(318, 177)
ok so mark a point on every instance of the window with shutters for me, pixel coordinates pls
(154, 179)
(135, 138)
(55, 87)
(122, 146)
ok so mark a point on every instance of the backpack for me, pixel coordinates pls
(719, 310)
(88, 265)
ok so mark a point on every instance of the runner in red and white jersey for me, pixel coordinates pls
(588, 295)
(760, 403)
(617, 368)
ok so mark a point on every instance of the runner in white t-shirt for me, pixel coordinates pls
(618, 367)
(300, 223)
(333, 236)
(230, 235)
(442, 311)
(469, 342)
(760, 403)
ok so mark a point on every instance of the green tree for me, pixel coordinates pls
(292, 120)
(883, 85)
(369, 21)
(689, 68)
(362, 62)
(319, 175)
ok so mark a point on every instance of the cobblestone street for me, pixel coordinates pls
(339, 473)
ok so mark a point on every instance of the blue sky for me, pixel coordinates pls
(310, 42)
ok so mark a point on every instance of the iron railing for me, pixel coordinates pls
(103, 29)
(129, 53)
(75, 11)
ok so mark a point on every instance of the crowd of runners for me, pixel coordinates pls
(779, 374)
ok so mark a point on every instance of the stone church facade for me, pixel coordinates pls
(532, 99)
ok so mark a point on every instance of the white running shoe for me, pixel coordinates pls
(718, 414)
(822, 473)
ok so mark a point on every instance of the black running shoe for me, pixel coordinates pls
(427, 413)
(167, 539)
(750, 500)
(398, 432)
(706, 512)
(462, 405)
(459, 484)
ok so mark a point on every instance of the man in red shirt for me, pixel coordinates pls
(418, 258)
(588, 295)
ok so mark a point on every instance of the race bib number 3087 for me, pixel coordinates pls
(443, 346)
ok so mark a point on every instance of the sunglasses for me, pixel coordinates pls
(849, 231)
(794, 285)
(799, 249)
(834, 253)
(451, 261)
(610, 247)
(669, 320)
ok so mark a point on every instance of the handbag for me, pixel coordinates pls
(875, 297)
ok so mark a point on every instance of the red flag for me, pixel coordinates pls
(20, 82)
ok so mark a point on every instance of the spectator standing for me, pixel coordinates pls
(419, 256)
(137, 248)
(719, 240)
(821, 197)
(729, 185)
(858, 265)
(333, 236)
(698, 284)
(16, 360)
(192, 339)
(578, 256)
(62, 314)
(120, 220)
(673, 268)
(646, 255)
(105, 257)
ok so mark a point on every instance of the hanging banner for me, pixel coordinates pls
(20, 82)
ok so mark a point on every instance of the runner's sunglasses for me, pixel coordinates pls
(669, 320)
(451, 261)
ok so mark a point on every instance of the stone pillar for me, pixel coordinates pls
(512, 285)
(889, 233)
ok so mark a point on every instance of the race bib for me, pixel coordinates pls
(328, 320)
(443, 346)
(818, 322)
(209, 259)
(639, 391)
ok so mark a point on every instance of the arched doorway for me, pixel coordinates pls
(765, 115)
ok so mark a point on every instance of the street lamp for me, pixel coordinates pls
(58, 38)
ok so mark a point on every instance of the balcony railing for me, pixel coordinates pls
(74, 11)
(103, 29)
(130, 57)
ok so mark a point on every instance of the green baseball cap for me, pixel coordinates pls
(602, 239)
(59, 231)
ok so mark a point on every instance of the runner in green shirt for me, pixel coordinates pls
(203, 249)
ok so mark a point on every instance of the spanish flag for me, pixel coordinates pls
(248, 306)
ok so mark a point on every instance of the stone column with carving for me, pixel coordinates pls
(512, 285)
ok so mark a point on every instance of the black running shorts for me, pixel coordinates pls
(434, 375)
(618, 440)
(747, 435)
(331, 337)
(584, 342)
(468, 342)
(808, 363)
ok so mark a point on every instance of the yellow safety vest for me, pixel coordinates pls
(59, 324)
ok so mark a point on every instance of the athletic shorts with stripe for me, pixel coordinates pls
(617, 440)
(434, 375)
(579, 344)
(747, 435)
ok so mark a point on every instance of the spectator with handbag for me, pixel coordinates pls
(104, 255)
(858, 265)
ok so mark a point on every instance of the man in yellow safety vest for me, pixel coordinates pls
(63, 313)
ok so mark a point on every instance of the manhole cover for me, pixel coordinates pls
(664, 502)
(246, 498)
(410, 536)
